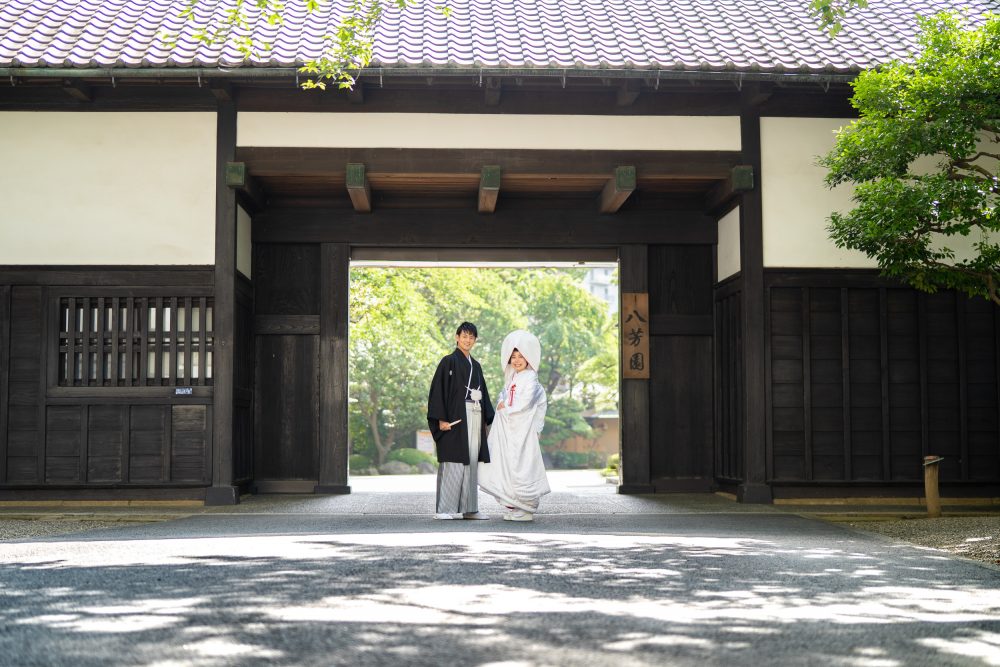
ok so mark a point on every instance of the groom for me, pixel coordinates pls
(458, 410)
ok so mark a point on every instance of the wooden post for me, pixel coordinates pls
(222, 491)
(635, 458)
(4, 376)
(755, 487)
(333, 442)
(931, 486)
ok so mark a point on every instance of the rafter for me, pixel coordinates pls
(359, 188)
(618, 188)
(489, 188)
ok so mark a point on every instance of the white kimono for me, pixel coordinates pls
(515, 475)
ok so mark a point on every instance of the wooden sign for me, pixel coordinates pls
(635, 335)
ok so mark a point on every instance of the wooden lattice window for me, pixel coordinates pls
(135, 341)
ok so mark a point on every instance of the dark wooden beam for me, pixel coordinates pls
(723, 195)
(489, 188)
(754, 487)
(627, 93)
(107, 276)
(4, 376)
(238, 178)
(333, 435)
(581, 227)
(636, 461)
(356, 95)
(79, 91)
(358, 188)
(324, 162)
(618, 188)
(223, 491)
(492, 86)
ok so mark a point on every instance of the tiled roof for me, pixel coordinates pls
(703, 35)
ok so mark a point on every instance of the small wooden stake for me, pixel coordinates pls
(931, 486)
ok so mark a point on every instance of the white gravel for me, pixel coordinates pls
(975, 537)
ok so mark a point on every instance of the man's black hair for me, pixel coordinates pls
(467, 326)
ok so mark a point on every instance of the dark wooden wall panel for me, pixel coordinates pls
(243, 380)
(106, 435)
(287, 411)
(191, 433)
(866, 380)
(286, 278)
(149, 438)
(26, 412)
(681, 378)
(729, 384)
(63, 443)
(681, 418)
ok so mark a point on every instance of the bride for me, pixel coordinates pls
(515, 475)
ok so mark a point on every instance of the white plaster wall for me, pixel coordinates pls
(243, 242)
(107, 188)
(411, 130)
(728, 249)
(796, 201)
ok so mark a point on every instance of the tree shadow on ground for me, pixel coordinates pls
(468, 597)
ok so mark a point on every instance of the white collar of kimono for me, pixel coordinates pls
(527, 344)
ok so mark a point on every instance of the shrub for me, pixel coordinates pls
(359, 464)
(411, 456)
(575, 460)
(613, 465)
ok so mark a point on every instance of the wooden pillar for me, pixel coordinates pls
(333, 443)
(4, 376)
(222, 491)
(635, 461)
(754, 487)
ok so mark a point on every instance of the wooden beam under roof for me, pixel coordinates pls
(492, 91)
(249, 193)
(489, 188)
(359, 188)
(78, 90)
(618, 188)
(721, 197)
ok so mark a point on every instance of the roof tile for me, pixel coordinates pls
(742, 35)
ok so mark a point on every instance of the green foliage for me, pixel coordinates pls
(359, 464)
(612, 466)
(411, 456)
(832, 12)
(563, 419)
(403, 321)
(575, 460)
(923, 158)
(346, 51)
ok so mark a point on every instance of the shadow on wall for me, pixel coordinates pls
(431, 597)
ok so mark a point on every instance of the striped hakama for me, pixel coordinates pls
(456, 482)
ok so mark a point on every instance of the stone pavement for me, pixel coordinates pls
(598, 579)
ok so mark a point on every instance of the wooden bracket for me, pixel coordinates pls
(359, 188)
(492, 91)
(618, 188)
(222, 90)
(627, 93)
(722, 196)
(78, 91)
(247, 189)
(489, 188)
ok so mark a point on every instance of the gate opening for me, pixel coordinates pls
(404, 309)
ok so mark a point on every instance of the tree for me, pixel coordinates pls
(394, 346)
(832, 12)
(347, 50)
(923, 158)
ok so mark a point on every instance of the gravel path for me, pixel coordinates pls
(26, 529)
(975, 537)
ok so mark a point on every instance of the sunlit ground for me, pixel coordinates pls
(689, 588)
